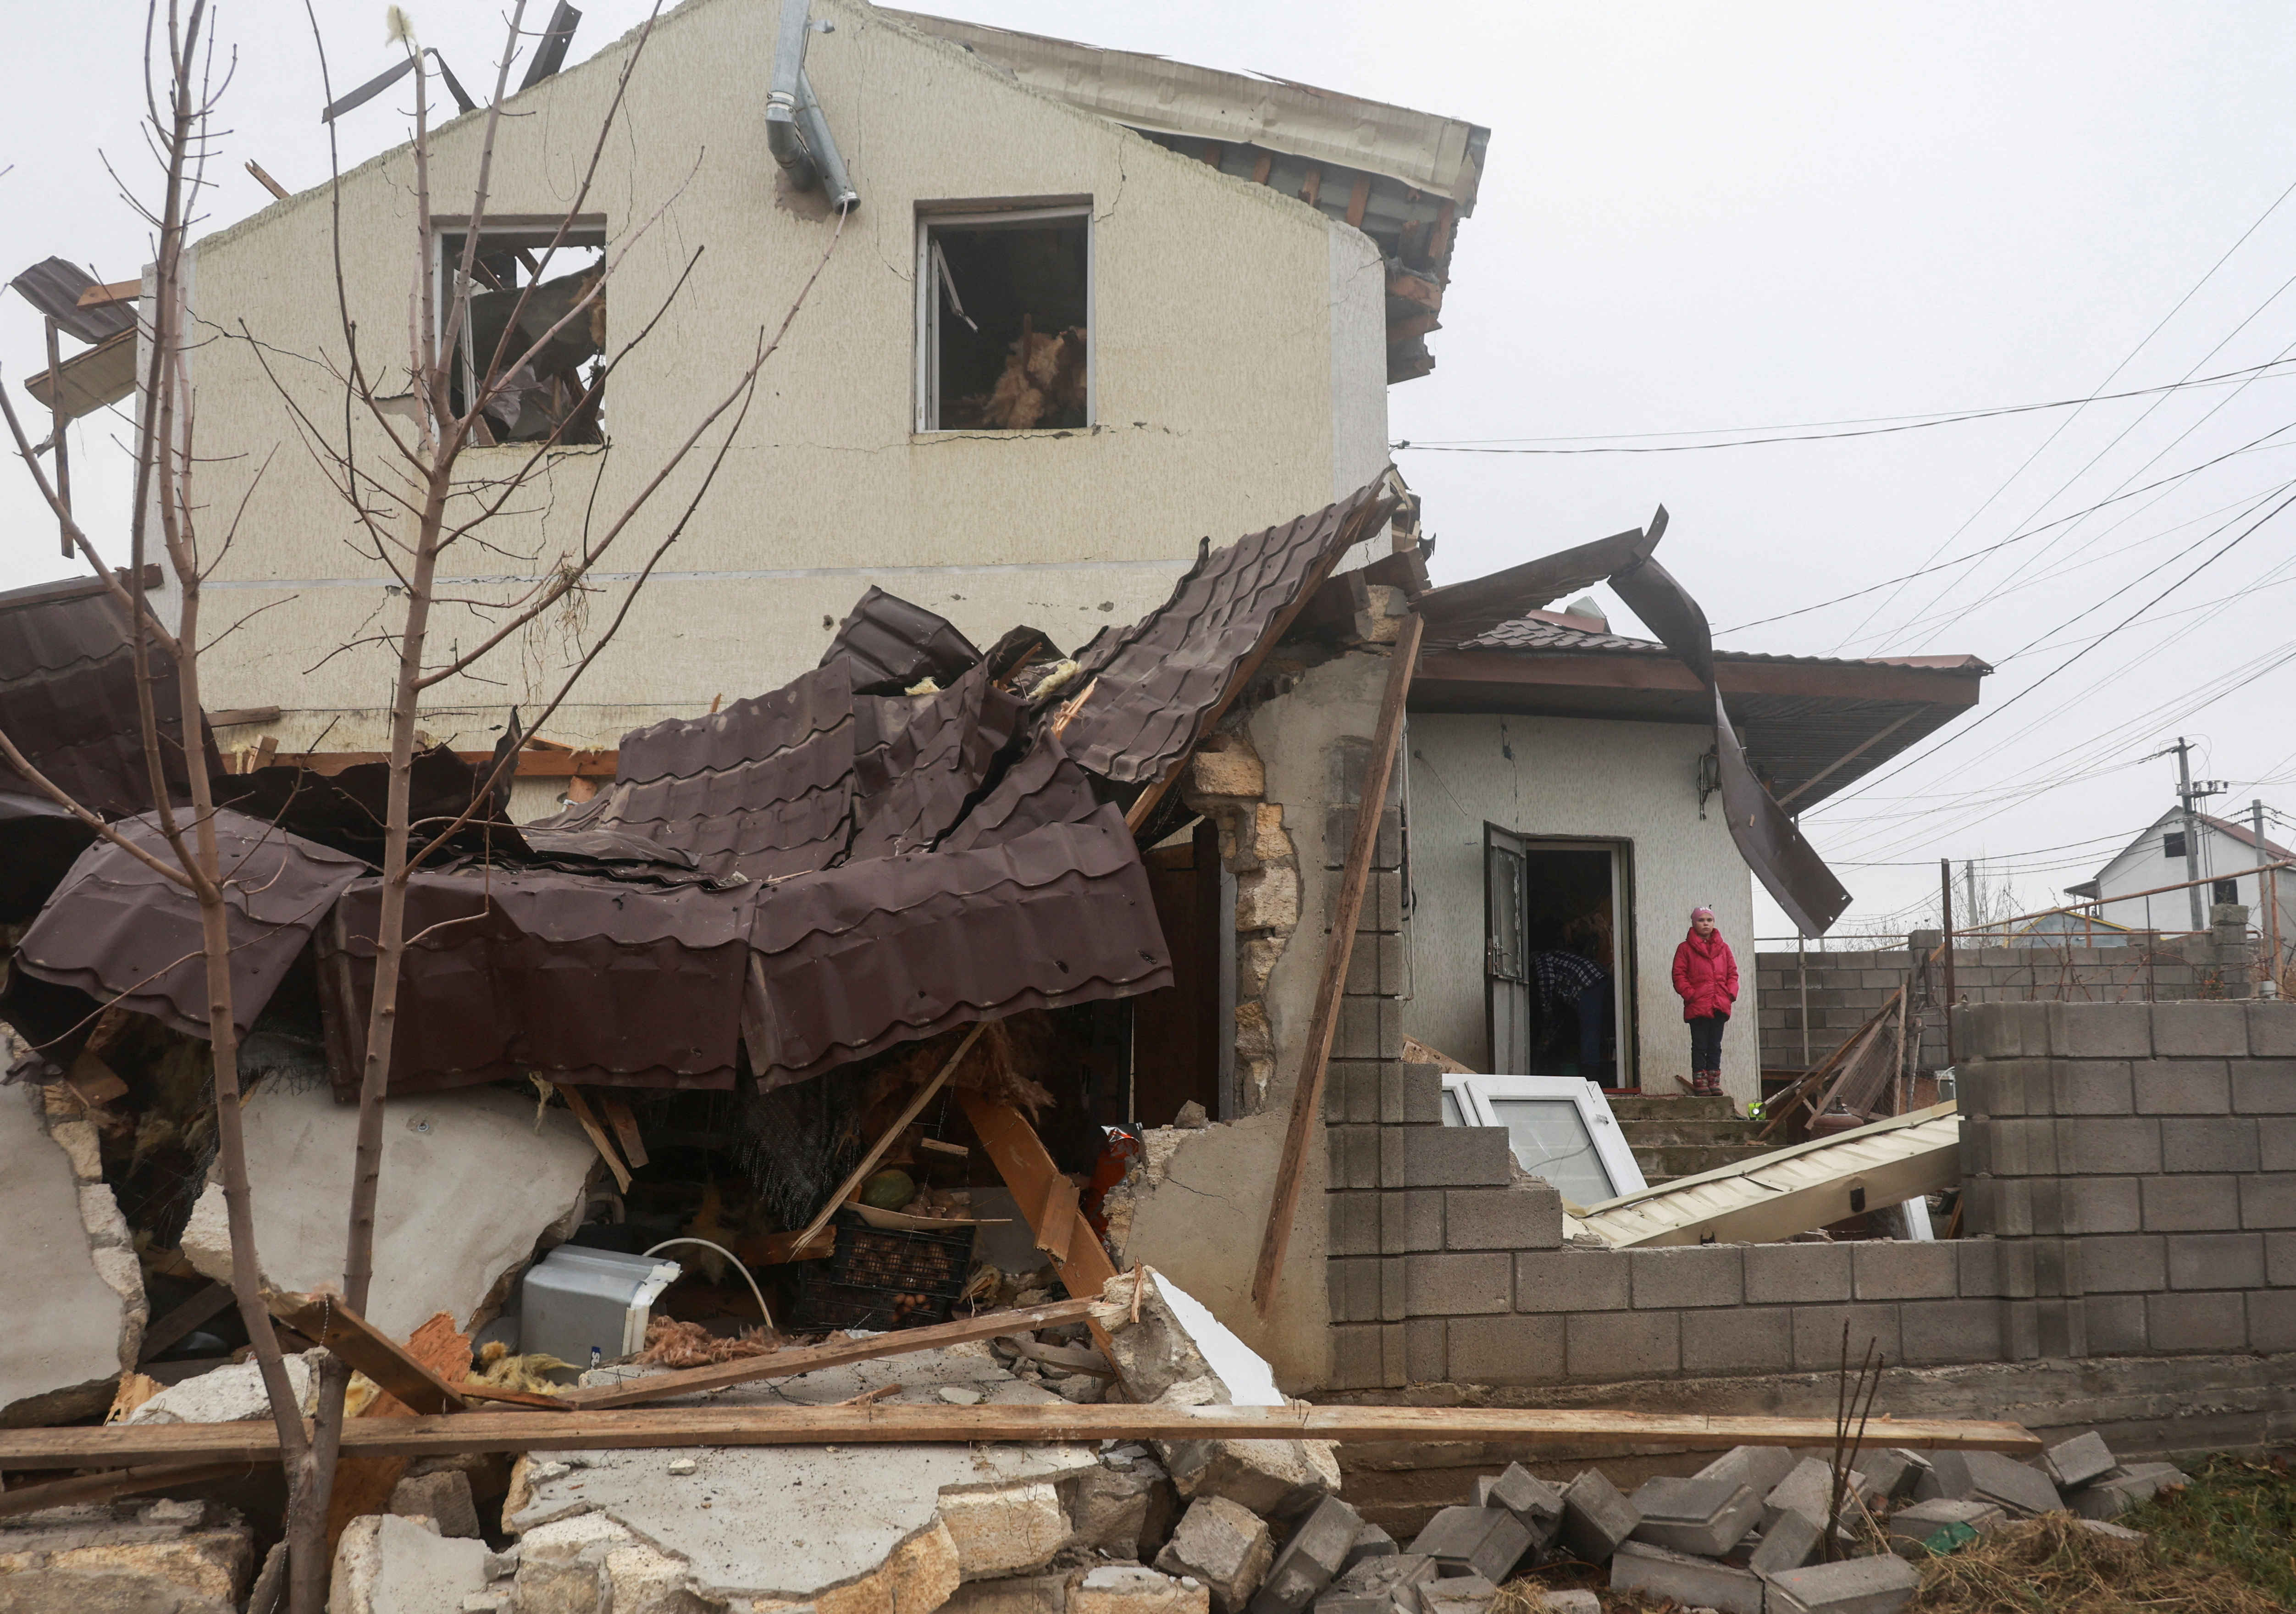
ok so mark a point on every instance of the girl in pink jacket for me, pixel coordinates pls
(1706, 979)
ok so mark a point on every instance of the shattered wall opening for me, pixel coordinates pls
(535, 277)
(1004, 303)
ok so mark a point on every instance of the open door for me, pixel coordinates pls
(1558, 958)
(1507, 973)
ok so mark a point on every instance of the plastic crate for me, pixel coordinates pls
(884, 1277)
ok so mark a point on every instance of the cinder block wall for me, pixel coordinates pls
(2136, 1164)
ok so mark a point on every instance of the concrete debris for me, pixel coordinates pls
(1692, 1581)
(2025, 1492)
(1371, 1542)
(1537, 1505)
(1787, 1544)
(2077, 1461)
(1006, 1529)
(1808, 1489)
(69, 1245)
(1596, 1517)
(1311, 1560)
(1488, 1542)
(387, 1564)
(1856, 1585)
(1695, 1515)
(1578, 1600)
(1129, 1589)
(1891, 1475)
(2123, 1488)
(1912, 1527)
(443, 1497)
(1225, 1546)
(229, 1394)
(1456, 1594)
(2110, 1532)
(169, 1556)
(446, 1235)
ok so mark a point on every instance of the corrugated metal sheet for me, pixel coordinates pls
(116, 928)
(1160, 679)
(53, 285)
(1046, 786)
(855, 959)
(892, 645)
(937, 752)
(38, 841)
(346, 811)
(68, 698)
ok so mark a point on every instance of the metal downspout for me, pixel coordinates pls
(781, 100)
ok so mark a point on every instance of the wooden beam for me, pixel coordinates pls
(256, 1439)
(181, 1321)
(1213, 151)
(1404, 286)
(107, 1483)
(1308, 1092)
(1020, 1157)
(1311, 189)
(265, 180)
(1056, 1222)
(237, 717)
(531, 764)
(1262, 168)
(1359, 199)
(580, 1106)
(624, 1125)
(861, 1173)
(325, 1320)
(104, 296)
(836, 1353)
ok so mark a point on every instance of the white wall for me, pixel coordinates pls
(1635, 782)
(2143, 867)
(1227, 319)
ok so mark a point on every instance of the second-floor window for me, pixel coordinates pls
(525, 292)
(1004, 305)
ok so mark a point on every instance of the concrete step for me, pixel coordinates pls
(1689, 1159)
(1670, 1107)
(1657, 1134)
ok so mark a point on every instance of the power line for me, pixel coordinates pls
(1907, 423)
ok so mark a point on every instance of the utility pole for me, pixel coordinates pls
(1969, 889)
(1944, 887)
(2185, 796)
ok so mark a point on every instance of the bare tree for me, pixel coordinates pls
(412, 503)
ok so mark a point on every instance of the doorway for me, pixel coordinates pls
(1558, 957)
(1178, 1033)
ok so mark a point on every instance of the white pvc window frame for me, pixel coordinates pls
(1472, 1095)
(931, 310)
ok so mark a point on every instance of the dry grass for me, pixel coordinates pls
(673, 1343)
(2053, 1565)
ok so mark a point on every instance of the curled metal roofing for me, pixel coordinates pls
(1156, 684)
(53, 286)
(892, 645)
(120, 931)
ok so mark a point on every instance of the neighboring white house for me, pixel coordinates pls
(2229, 853)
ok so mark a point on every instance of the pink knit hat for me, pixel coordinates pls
(1701, 913)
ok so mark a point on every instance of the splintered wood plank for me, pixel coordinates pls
(1020, 1157)
(1359, 199)
(1261, 166)
(325, 1320)
(1308, 1092)
(626, 1127)
(1056, 1225)
(114, 1482)
(256, 1440)
(580, 1106)
(836, 1353)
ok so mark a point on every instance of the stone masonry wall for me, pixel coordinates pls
(2136, 1164)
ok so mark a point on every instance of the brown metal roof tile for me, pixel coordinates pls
(890, 646)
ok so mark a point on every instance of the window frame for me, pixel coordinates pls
(1473, 1094)
(925, 413)
(534, 233)
(1499, 841)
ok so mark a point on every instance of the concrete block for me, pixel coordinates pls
(1310, 1561)
(2268, 1200)
(1352, 1285)
(1574, 1600)
(1695, 1515)
(1007, 1529)
(2126, 1263)
(1623, 1344)
(1573, 1280)
(1949, 1330)
(2024, 1491)
(1114, 1504)
(1448, 1285)
(2106, 1031)
(1505, 1350)
(2110, 1145)
(1891, 1473)
(2272, 1320)
(1796, 1274)
(2210, 1143)
(1537, 1504)
(1371, 1542)
(1817, 1340)
(2000, 1031)
(1273, 1478)
(444, 1496)
(1410, 1095)
(1223, 1544)
(2217, 1261)
(1887, 1270)
(2115, 1325)
(2002, 1206)
(1527, 1216)
(1393, 1576)
(1856, 1585)
(1354, 1154)
(1456, 1594)
(1596, 1517)
(2271, 1029)
(2263, 1087)
(1354, 1222)
(2181, 1087)
(2116, 1493)
(2091, 1087)
(1692, 1582)
(1807, 1488)
(2193, 1204)
(2276, 1143)
(1447, 1156)
(1740, 1339)
(1762, 1467)
(1787, 1544)
(2194, 1322)
(1425, 1351)
(2102, 1205)
(1978, 1260)
(1394, 1290)
(1410, 1220)
(1351, 1092)
(1369, 1028)
(1129, 1589)
(2280, 1258)
(1689, 1275)
(1359, 1357)
(2074, 1462)
(2200, 1029)
(1488, 1542)
(1910, 1526)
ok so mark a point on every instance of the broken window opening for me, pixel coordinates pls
(559, 394)
(1004, 305)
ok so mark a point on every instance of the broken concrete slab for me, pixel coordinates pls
(444, 1496)
(1279, 1480)
(2118, 1492)
(1489, 1542)
(1393, 1579)
(229, 1394)
(1129, 1589)
(1762, 1467)
(1310, 1561)
(67, 1245)
(1111, 1505)
(1596, 1517)
(179, 1558)
(1537, 1504)
(1692, 1582)
(1808, 1489)
(1371, 1542)
(1947, 1476)
(2073, 1463)
(1456, 1594)
(2024, 1491)
(1019, 1594)
(388, 1564)
(1696, 1515)
(1856, 1585)
(1787, 1544)
(1891, 1473)
(1004, 1529)
(469, 1185)
(1224, 1545)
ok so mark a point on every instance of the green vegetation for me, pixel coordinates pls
(2239, 1512)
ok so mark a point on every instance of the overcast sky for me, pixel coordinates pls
(1703, 221)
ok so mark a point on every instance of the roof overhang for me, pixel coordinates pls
(1809, 728)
